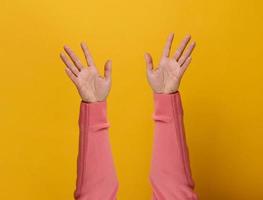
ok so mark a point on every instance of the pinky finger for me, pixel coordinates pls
(71, 75)
(185, 65)
(107, 70)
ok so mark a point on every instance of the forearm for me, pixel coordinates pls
(96, 176)
(170, 169)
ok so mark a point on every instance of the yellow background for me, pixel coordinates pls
(221, 93)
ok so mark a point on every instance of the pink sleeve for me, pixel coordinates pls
(96, 175)
(170, 173)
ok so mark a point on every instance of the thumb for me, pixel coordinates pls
(107, 69)
(149, 62)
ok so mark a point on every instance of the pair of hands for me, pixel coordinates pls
(165, 78)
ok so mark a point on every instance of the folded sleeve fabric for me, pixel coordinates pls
(170, 173)
(96, 175)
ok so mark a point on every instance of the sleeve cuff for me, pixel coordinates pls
(167, 105)
(94, 115)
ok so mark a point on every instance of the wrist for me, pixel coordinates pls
(167, 92)
(93, 100)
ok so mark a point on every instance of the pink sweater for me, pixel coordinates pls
(170, 173)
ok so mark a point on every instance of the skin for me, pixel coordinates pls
(91, 86)
(164, 78)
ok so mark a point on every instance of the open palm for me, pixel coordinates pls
(91, 86)
(167, 75)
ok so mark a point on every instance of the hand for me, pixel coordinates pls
(167, 76)
(91, 86)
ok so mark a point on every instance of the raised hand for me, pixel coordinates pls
(168, 74)
(91, 86)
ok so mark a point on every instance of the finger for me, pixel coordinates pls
(167, 48)
(73, 57)
(107, 70)
(69, 64)
(149, 62)
(71, 75)
(182, 46)
(187, 53)
(87, 54)
(185, 65)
